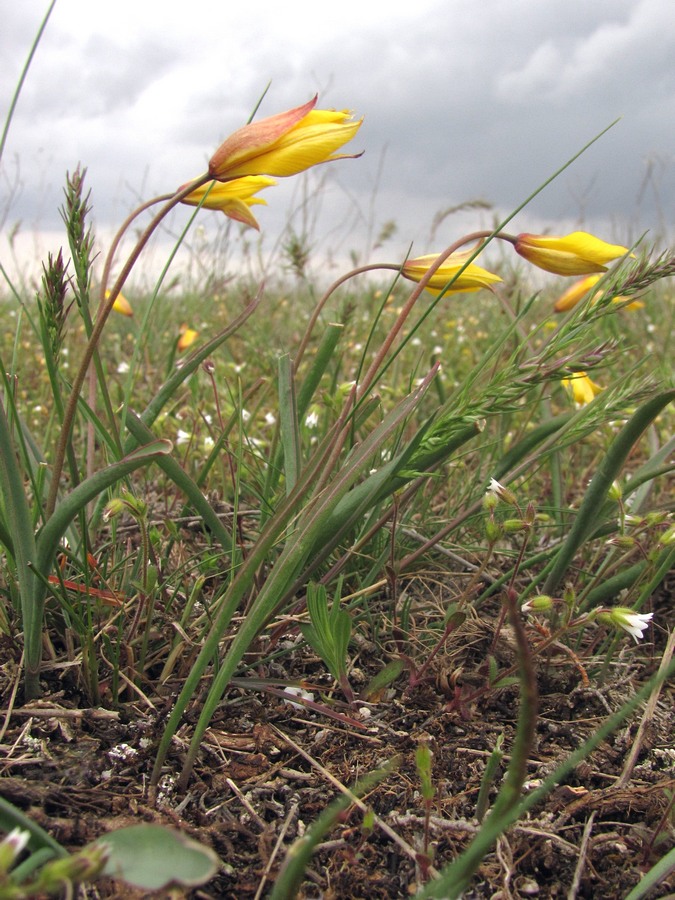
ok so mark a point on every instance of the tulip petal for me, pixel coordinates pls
(577, 253)
(575, 293)
(583, 389)
(258, 135)
(286, 144)
(231, 197)
(121, 305)
(473, 278)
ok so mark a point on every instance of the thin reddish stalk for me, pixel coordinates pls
(101, 318)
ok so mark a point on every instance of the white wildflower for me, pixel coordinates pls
(634, 623)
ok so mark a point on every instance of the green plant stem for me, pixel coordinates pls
(22, 77)
(586, 520)
(288, 881)
(455, 878)
(308, 521)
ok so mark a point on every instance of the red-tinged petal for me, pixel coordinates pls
(255, 138)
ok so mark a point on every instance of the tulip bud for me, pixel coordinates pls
(578, 253)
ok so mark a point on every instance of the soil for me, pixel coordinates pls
(268, 768)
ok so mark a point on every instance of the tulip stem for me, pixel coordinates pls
(120, 234)
(101, 318)
(373, 369)
(373, 267)
(395, 267)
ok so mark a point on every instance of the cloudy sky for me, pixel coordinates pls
(463, 101)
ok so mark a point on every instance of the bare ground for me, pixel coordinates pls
(268, 768)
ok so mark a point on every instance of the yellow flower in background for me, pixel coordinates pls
(285, 144)
(473, 278)
(575, 293)
(569, 299)
(583, 390)
(232, 197)
(121, 304)
(187, 337)
(578, 253)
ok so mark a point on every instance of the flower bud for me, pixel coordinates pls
(113, 508)
(493, 531)
(622, 541)
(540, 603)
(578, 253)
(615, 492)
(503, 493)
(513, 526)
(11, 847)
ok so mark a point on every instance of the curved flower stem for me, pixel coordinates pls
(395, 267)
(373, 267)
(91, 397)
(101, 318)
(373, 369)
(359, 391)
(120, 234)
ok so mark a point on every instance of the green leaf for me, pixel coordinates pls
(587, 519)
(299, 854)
(288, 417)
(328, 633)
(154, 858)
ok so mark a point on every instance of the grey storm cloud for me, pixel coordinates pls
(461, 102)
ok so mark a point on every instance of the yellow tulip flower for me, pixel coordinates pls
(121, 304)
(285, 144)
(232, 197)
(187, 337)
(582, 388)
(578, 253)
(569, 299)
(473, 278)
(575, 293)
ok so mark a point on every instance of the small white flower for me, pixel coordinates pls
(312, 419)
(499, 490)
(182, 437)
(270, 418)
(122, 753)
(298, 692)
(634, 623)
(123, 367)
(495, 487)
(15, 843)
